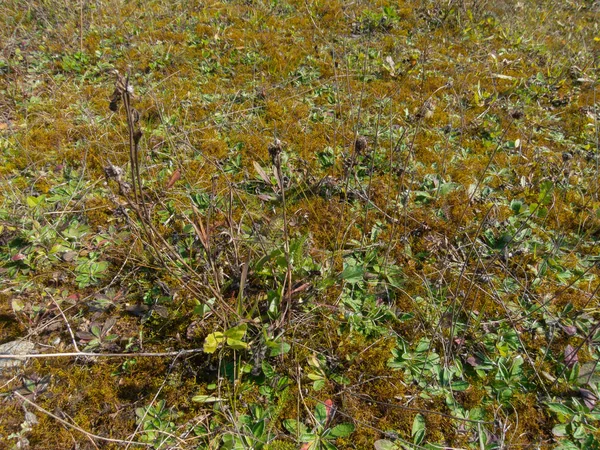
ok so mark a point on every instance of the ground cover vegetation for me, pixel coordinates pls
(315, 224)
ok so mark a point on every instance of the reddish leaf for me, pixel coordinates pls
(176, 176)
(18, 257)
(328, 409)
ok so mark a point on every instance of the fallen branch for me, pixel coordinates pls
(104, 355)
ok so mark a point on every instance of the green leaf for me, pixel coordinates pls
(237, 344)
(213, 341)
(560, 430)
(328, 445)
(384, 444)
(353, 274)
(295, 427)
(278, 348)
(342, 430)
(321, 413)
(315, 376)
(237, 332)
(318, 385)
(32, 202)
(559, 408)
(258, 429)
(460, 386)
(268, 369)
(418, 429)
(205, 399)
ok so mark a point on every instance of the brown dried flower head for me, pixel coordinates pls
(361, 144)
(275, 148)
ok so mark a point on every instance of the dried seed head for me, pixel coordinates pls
(425, 111)
(275, 150)
(113, 172)
(361, 144)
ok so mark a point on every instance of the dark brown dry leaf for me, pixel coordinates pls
(570, 356)
(137, 310)
(589, 398)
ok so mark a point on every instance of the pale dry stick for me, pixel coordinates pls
(81, 5)
(66, 323)
(419, 410)
(556, 295)
(74, 426)
(171, 254)
(9, 381)
(244, 111)
(407, 408)
(75, 211)
(103, 355)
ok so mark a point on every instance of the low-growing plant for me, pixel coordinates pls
(321, 436)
